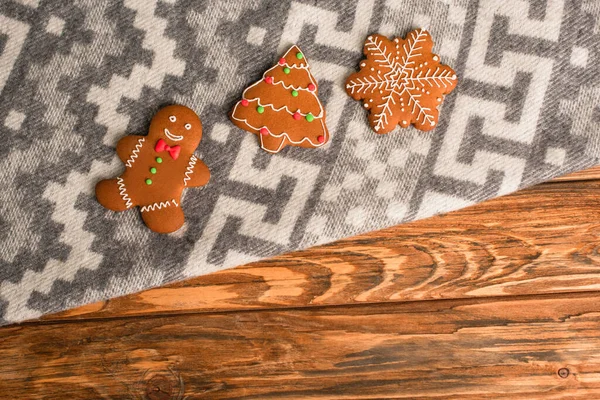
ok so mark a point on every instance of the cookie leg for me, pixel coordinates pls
(163, 220)
(112, 194)
(272, 144)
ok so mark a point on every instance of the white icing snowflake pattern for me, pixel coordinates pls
(401, 82)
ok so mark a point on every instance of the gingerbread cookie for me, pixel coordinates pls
(157, 169)
(283, 108)
(401, 82)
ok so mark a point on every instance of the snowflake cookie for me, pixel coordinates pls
(401, 82)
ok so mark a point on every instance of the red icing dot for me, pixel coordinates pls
(321, 139)
(311, 87)
(245, 102)
(281, 61)
(264, 131)
(269, 79)
(297, 116)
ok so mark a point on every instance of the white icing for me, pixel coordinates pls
(291, 86)
(291, 66)
(175, 138)
(135, 152)
(320, 115)
(403, 81)
(123, 192)
(159, 205)
(189, 170)
(283, 134)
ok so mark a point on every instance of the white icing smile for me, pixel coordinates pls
(175, 138)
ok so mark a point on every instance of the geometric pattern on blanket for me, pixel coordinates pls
(77, 75)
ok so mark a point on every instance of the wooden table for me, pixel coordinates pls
(499, 300)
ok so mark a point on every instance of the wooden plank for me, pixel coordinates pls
(540, 240)
(451, 349)
(585, 175)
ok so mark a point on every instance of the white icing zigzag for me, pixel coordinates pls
(283, 134)
(123, 192)
(158, 206)
(288, 87)
(320, 115)
(189, 170)
(135, 152)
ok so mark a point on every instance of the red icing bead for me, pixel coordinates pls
(245, 102)
(297, 116)
(269, 79)
(311, 87)
(321, 139)
(281, 61)
(264, 131)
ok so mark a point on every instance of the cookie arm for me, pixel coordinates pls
(127, 145)
(197, 173)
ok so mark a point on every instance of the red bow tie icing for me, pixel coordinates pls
(161, 145)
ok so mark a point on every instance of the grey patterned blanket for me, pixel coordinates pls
(77, 75)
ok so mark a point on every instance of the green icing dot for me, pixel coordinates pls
(309, 117)
(152, 170)
(148, 181)
(260, 109)
(158, 160)
(286, 70)
(299, 56)
(295, 93)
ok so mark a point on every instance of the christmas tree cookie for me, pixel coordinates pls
(283, 108)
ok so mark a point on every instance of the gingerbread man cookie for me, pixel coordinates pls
(157, 169)
(401, 82)
(283, 108)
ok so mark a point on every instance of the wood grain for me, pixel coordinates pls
(500, 300)
(540, 240)
(450, 349)
(585, 175)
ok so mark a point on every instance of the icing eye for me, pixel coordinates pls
(188, 126)
(172, 118)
